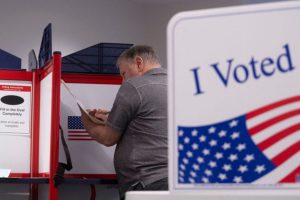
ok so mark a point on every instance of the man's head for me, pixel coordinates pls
(137, 60)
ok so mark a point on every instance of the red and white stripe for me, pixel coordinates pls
(19, 88)
(275, 129)
(82, 135)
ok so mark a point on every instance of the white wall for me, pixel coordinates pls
(79, 24)
(75, 24)
(159, 16)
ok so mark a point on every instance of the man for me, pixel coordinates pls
(137, 122)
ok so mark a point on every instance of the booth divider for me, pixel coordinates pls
(46, 132)
(53, 193)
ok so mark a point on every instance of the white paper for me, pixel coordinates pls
(4, 173)
(74, 97)
(81, 106)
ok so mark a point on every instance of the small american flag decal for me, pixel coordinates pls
(76, 130)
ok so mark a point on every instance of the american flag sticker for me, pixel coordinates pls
(76, 130)
(259, 147)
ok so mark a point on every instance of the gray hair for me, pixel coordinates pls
(147, 53)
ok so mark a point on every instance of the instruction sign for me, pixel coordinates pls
(15, 105)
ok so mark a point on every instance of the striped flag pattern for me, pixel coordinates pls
(260, 147)
(76, 130)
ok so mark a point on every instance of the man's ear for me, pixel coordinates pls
(140, 63)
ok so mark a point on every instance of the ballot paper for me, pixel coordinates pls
(81, 106)
(4, 173)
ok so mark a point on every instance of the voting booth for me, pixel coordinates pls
(234, 102)
(41, 129)
(90, 158)
(30, 103)
(33, 106)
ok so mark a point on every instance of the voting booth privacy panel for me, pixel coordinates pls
(15, 122)
(234, 98)
(30, 122)
(90, 159)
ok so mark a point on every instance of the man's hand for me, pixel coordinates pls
(103, 134)
(100, 114)
(87, 122)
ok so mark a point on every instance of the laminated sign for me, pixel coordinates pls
(15, 105)
(234, 97)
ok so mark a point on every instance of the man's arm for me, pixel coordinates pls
(102, 133)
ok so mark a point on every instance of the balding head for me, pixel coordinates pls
(147, 53)
(136, 61)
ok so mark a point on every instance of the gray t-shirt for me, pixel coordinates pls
(140, 114)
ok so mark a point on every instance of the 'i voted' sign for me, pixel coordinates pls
(234, 96)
